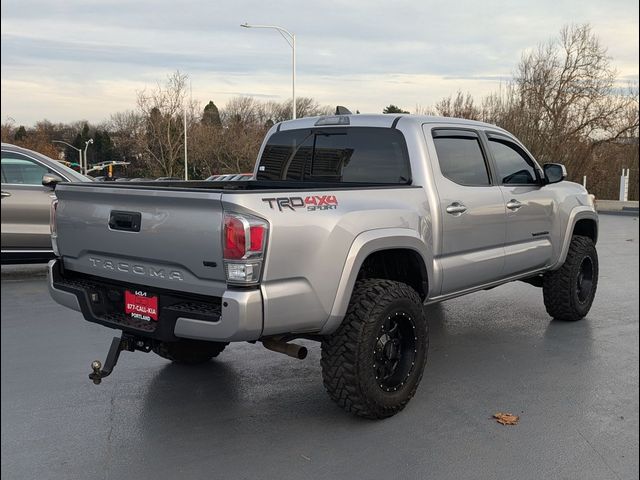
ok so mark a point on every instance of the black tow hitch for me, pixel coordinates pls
(126, 342)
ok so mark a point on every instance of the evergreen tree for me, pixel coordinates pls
(107, 149)
(211, 115)
(86, 133)
(393, 109)
(20, 134)
(102, 148)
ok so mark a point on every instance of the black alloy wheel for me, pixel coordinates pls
(584, 282)
(395, 351)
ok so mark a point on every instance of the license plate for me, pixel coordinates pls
(141, 305)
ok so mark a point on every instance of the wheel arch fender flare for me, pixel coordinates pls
(577, 214)
(364, 245)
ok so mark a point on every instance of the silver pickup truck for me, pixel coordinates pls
(352, 224)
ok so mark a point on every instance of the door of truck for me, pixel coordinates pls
(471, 208)
(530, 208)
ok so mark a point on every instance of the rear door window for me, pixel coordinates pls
(351, 154)
(461, 158)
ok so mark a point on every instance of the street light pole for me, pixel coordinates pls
(76, 149)
(290, 38)
(186, 171)
(86, 145)
(293, 73)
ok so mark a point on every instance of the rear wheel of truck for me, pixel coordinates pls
(570, 290)
(373, 363)
(188, 352)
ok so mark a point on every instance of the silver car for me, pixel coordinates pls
(28, 180)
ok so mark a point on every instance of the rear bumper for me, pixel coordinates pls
(15, 256)
(236, 316)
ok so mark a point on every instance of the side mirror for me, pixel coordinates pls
(554, 172)
(51, 180)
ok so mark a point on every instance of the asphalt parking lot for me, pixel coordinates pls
(255, 414)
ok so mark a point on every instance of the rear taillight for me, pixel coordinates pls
(235, 240)
(53, 226)
(244, 240)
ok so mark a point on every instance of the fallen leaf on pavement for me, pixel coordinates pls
(506, 418)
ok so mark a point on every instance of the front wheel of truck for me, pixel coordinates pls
(373, 363)
(188, 352)
(570, 290)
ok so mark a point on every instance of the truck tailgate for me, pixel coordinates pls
(154, 238)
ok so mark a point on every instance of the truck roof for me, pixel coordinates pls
(383, 120)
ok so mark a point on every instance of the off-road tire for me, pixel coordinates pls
(348, 355)
(560, 287)
(188, 352)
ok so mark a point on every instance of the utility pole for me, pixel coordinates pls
(186, 172)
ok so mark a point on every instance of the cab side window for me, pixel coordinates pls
(20, 170)
(461, 158)
(513, 166)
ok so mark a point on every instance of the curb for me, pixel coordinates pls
(620, 213)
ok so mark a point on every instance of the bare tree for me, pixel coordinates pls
(567, 90)
(127, 130)
(424, 110)
(566, 105)
(460, 106)
(241, 110)
(8, 129)
(305, 107)
(162, 112)
(249, 111)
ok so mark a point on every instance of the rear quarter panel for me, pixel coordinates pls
(308, 248)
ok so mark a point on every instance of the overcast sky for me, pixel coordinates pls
(67, 60)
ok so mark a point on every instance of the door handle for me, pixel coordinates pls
(125, 221)
(5, 194)
(456, 208)
(514, 205)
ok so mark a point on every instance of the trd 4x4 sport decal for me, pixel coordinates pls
(311, 203)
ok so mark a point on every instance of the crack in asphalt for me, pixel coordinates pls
(599, 455)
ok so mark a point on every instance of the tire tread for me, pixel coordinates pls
(340, 350)
(557, 285)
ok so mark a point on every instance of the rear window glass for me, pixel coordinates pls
(461, 160)
(352, 154)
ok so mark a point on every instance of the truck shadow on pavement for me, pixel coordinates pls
(249, 389)
(231, 388)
